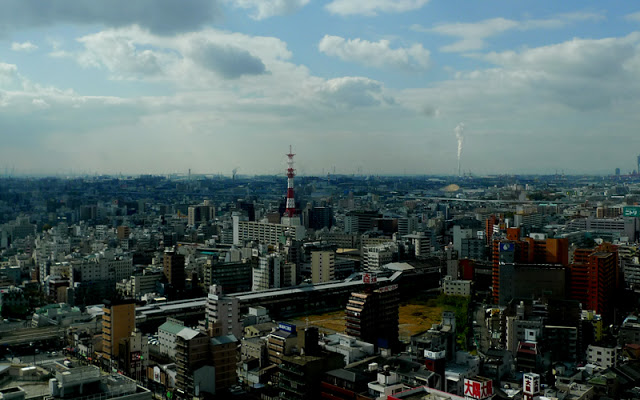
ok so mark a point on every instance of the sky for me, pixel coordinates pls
(355, 86)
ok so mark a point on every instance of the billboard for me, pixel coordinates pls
(631, 211)
(283, 326)
(507, 247)
(531, 384)
(388, 288)
(477, 389)
(369, 278)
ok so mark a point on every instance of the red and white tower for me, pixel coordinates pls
(291, 202)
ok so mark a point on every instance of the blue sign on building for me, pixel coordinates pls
(283, 326)
(507, 247)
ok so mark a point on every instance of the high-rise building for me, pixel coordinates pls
(322, 266)
(225, 310)
(201, 213)
(118, 321)
(319, 217)
(372, 315)
(192, 352)
(593, 278)
(548, 252)
(173, 264)
(273, 272)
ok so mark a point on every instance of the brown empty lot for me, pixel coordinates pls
(414, 318)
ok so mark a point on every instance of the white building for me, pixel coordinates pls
(374, 257)
(605, 357)
(351, 348)
(167, 334)
(225, 310)
(272, 272)
(456, 287)
(421, 242)
(264, 232)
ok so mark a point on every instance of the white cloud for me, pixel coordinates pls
(371, 8)
(39, 103)
(8, 72)
(633, 17)
(473, 35)
(262, 9)
(352, 92)
(26, 46)
(576, 75)
(377, 54)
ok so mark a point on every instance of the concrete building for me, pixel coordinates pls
(322, 266)
(514, 250)
(453, 287)
(603, 356)
(173, 268)
(458, 235)
(374, 257)
(80, 382)
(167, 337)
(192, 352)
(224, 356)
(351, 348)
(201, 213)
(372, 316)
(264, 232)
(118, 321)
(422, 243)
(225, 311)
(272, 272)
(593, 279)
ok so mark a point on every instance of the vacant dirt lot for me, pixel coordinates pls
(414, 318)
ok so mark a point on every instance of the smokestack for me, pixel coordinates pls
(459, 129)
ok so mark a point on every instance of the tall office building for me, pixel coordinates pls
(593, 279)
(118, 321)
(173, 268)
(322, 266)
(273, 272)
(201, 213)
(372, 315)
(527, 251)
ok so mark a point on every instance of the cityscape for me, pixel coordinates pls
(334, 286)
(319, 199)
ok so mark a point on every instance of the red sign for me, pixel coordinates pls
(478, 389)
(369, 278)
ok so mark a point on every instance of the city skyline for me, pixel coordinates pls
(386, 87)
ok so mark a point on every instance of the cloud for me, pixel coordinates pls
(26, 46)
(472, 36)
(8, 72)
(633, 17)
(39, 103)
(574, 76)
(161, 16)
(352, 92)
(228, 61)
(371, 8)
(118, 53)
(262, 9)
(377, 54)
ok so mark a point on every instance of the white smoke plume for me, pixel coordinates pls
(459, 129)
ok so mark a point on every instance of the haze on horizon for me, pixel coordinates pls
(377, 87)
